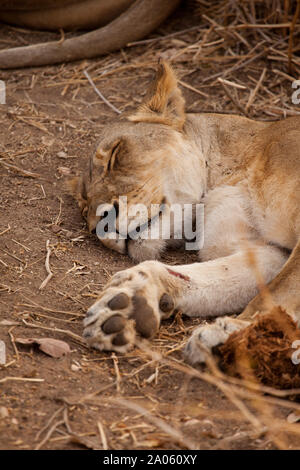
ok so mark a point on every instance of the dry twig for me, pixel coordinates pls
(116, 110)
(47, 266)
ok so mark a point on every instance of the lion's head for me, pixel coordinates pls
(140, 157)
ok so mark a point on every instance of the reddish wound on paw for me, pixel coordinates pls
(175, 273)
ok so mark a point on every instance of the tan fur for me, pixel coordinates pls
(247, 174)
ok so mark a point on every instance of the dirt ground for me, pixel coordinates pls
(87, 399)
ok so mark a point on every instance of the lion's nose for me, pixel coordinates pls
(92, 224)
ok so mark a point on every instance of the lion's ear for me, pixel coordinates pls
(164, 102)
(77, 188)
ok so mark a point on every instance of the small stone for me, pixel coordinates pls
(178, 42)
(3, 412)
(64, 170)
(19, 442)
(75, 368)
(2, 352)
(62, 154)
(192, 422)
(294, 417)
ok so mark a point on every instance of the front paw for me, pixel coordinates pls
(208, 337)
(131, 304)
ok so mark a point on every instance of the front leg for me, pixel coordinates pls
(137, 299)
(207, 337)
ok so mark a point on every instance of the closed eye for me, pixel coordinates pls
(113, 156)
(91, 168)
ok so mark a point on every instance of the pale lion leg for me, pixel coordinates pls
(284, 290)
(205, 338)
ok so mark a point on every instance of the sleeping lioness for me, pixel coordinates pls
(247, 175)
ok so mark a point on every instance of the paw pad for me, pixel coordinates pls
(114, 324)
(119, 339)
(118, 302)
(145, 321)
(166, 303)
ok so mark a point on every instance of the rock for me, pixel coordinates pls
(3, 412)
(294, 417)
(62, 154)
(192, 422)
(75, 367)
(64, 170)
